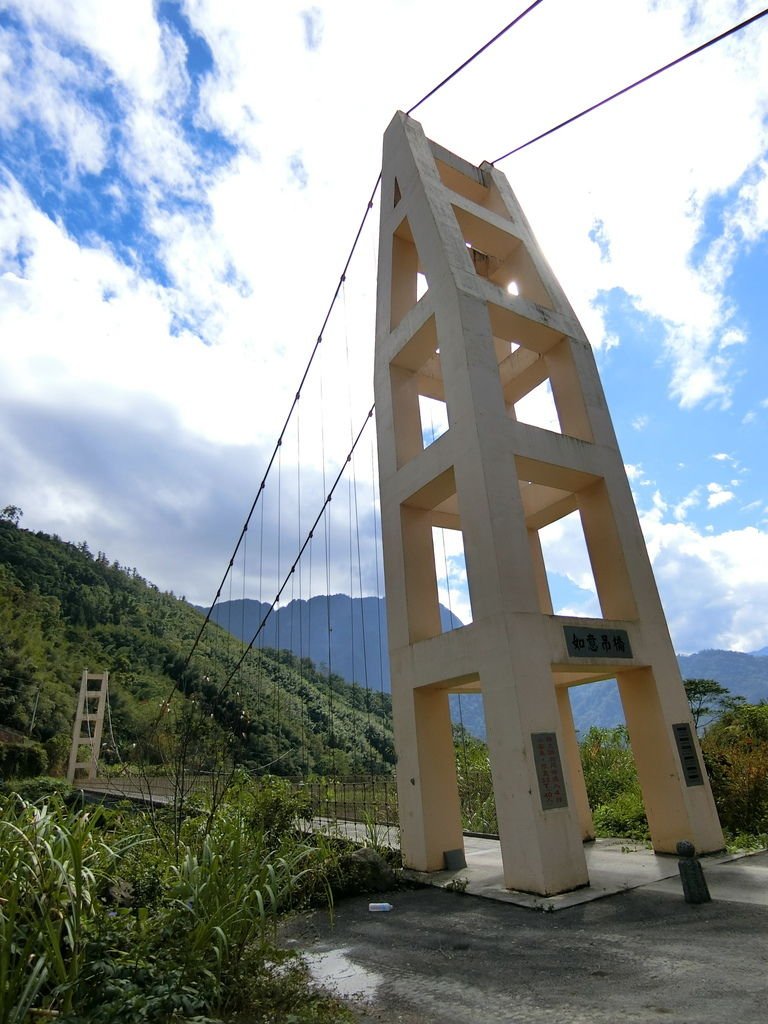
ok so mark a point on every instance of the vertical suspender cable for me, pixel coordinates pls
(327, 532)
(302, 682)
(277, 589)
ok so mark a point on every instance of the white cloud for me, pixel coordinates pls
(680, 510)
(713, 587)
(722, 457)
(732, 336)
(640, 422)
(658, 502)
(124, 34)
(40, 87)
(718, 496)
(123, 348)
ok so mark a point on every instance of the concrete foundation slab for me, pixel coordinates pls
(615, 865)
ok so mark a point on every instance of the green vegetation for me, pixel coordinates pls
(473, 772)
(612, 785)
(63, 609)
(736, 754)
(104, 918)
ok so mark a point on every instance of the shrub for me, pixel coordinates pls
(44, 788)
(623, 817)
(612, 784)
(608, 764)
(22, 759)
(50, 864)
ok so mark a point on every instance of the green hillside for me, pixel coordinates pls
(63, 609)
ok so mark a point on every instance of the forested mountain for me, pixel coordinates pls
(355, 646)
(743, 674)
(63, 609)
(356, 649)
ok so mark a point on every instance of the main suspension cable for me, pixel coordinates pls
(476, 54)
(640, 81)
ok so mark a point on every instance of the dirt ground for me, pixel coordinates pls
(449, 958)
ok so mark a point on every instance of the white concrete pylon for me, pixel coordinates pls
(89, 725)
(492, 325)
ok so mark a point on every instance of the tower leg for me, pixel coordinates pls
(675, 809)
(541, 848)
(427, 788)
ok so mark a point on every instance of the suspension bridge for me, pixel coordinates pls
(318, 526)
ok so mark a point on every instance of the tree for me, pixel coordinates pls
(736, 754)
(11, 514)
(708, 699)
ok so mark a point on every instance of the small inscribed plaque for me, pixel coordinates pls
(548, 770)
(687, 752)
(597, 643)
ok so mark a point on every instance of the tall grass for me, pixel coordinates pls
(99, 922)
(50, 866)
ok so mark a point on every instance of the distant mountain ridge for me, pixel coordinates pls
(744, 674)
(358, 653)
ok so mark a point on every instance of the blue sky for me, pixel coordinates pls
(180, 184)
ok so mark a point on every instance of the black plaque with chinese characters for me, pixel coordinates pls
(687, 752)
(597, 643)
(549, 771)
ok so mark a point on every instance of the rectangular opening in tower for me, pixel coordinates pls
(409, 282)
(537, 408)
(568, 568)
(500, 256)
(418, 394)
(537, 373)
(473, 769)
(451, 573)
(434, 419)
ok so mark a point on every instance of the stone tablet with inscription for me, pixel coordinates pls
(687, 751)
(548, 770)
(597, 643)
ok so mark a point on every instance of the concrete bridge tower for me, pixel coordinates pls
(492, 325)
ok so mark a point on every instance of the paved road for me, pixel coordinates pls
(445, 958)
